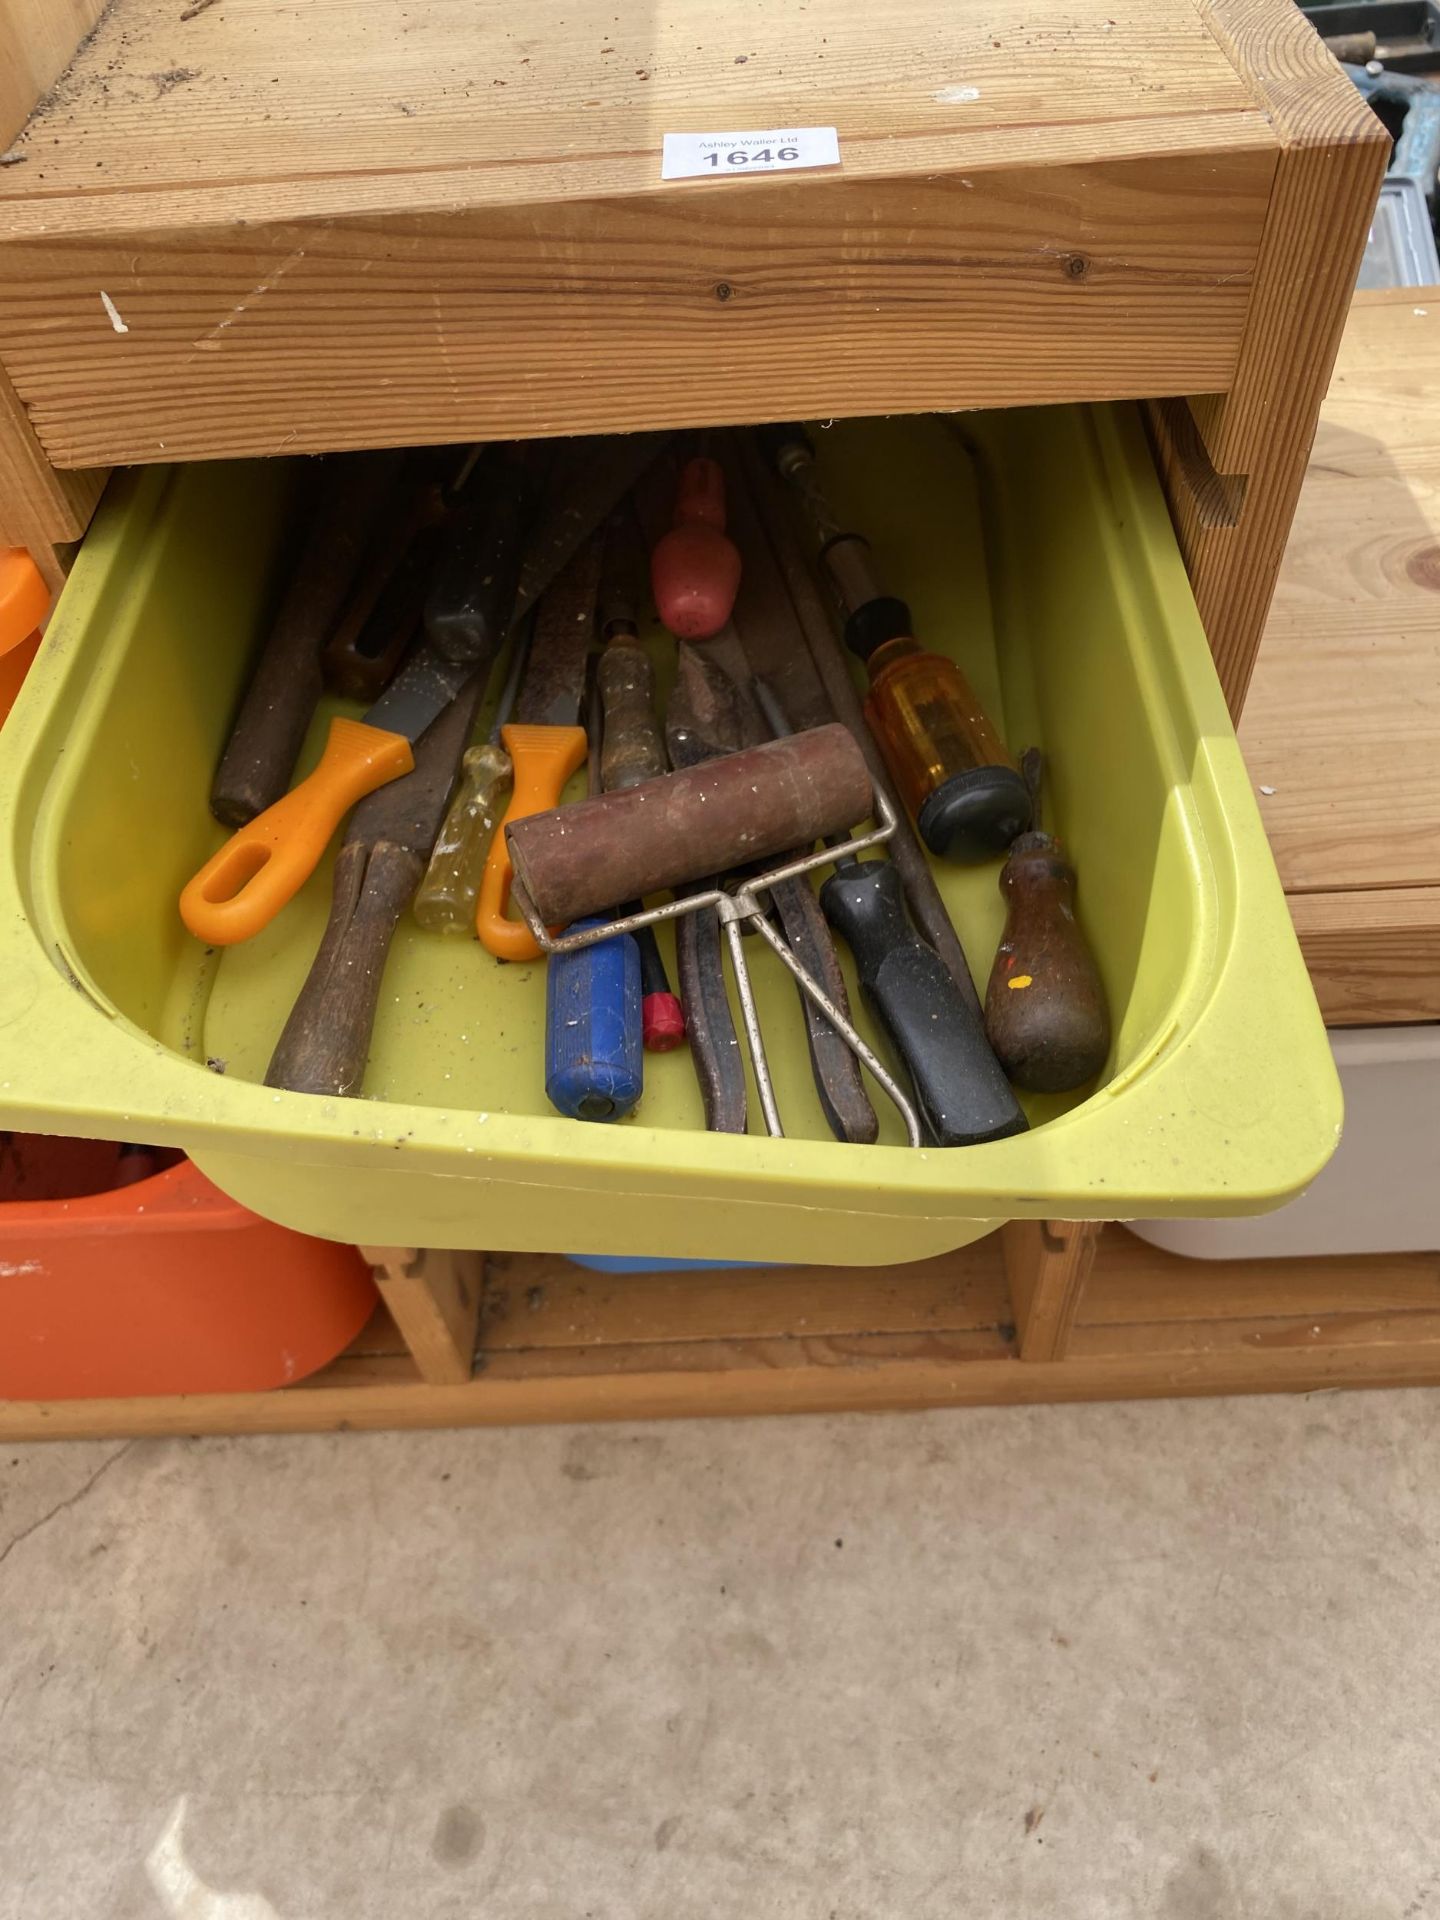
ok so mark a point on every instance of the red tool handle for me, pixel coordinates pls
(695, 568)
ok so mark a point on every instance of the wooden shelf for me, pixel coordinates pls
(1339, 727)
(557, 1343)
(270, 228)
(349, 224)
(273, 228)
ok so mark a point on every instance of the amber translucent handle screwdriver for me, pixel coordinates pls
(263, 865)
(543, 759)
(949, 764)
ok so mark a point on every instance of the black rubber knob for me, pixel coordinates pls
(870, 626)
(975, 816)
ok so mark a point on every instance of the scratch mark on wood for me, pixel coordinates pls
(210, 341)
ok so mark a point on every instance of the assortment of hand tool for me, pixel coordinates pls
(264, 863)
(708, 715)
(748, 804)
(712, 710)
(933, 1026)
(766, 773)
(326, 1040)
(347, 495)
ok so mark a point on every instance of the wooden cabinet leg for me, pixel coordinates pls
(434, 1299)
(1047, 1263)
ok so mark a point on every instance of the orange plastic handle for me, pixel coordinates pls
(264, 865)
(544, 759)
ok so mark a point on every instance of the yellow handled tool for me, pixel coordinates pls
(545, 740)
(450, 891)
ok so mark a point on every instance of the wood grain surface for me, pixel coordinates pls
(40, 508)
(346, 224)
(1373, 954)
(1343, 711)
(342, 106)
(1333, 152)
(557, 1343)
(433, 1298)
(1108, 280)
(37, 41)
(1340, 726)
(1047, 1266)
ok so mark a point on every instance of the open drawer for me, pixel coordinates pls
(1035, 545)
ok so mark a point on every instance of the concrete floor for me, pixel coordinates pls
(1177, 1662)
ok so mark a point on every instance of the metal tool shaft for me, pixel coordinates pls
(733, 923)
(848, 1033)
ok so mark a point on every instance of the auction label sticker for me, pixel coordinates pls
(731, 156)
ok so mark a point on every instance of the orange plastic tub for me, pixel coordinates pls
(24, 602)
(165, 1286)
(111, 1286)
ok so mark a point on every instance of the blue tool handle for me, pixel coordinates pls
(594, 1049)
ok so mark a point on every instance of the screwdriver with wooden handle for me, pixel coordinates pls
(1046, 1015)
(960, 786)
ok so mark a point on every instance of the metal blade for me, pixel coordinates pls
(624, 576)
(422, 690)
(587, 484)
(408, 812)
(552, 693)
(772, 641)
(703, 718)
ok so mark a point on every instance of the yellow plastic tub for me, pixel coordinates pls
(1037, 547)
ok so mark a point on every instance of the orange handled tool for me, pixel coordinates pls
(264, 864)
(545, 740)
